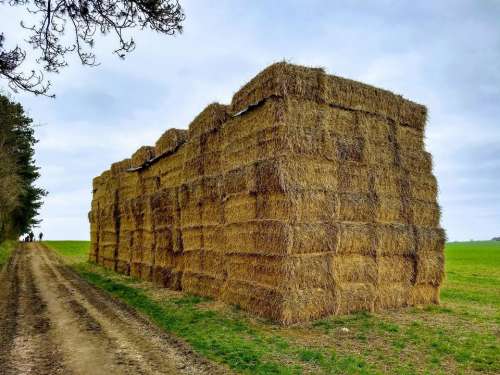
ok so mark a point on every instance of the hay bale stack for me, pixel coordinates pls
(309, 195)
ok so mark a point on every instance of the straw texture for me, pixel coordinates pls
(308, 195)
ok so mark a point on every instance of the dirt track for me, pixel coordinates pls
(53, 322)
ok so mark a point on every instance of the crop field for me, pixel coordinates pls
(461, 336)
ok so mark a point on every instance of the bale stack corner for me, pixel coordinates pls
(309, 195)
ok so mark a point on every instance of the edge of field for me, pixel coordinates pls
(460, 336)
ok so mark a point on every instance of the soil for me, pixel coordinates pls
(53, 322)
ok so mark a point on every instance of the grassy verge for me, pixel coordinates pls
(6, 249)
(460, 336)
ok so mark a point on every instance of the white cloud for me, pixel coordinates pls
(441, 54)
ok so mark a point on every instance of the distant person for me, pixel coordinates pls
(40, 237)
(31, 237)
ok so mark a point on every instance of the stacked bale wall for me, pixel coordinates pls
(309, 195)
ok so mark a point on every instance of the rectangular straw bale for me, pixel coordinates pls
(142, 155)
(337, 121)
(211, 162)
(430, 239)
(258, 237)
(389, 209)
(349, 149)
(262, 269)
(355, 238)
(170, 141)
(192, 238)
(352, 178)
(301, 173)
(259, 145)
(119, 167)
(429, 268)
(136, 269)
(392, 295)
(201, 284)
(395, 269)
(191, 215)
(423, 187)
(409, 138)
(351, 297)
(416, 162)
(313, 238)
(212, 213)
(237, 181)
(123, 267)
(191, 193)
(285, 80)
(211, 118)
(279, 80)
(297, 207)
(309, 271)
(214, 263)
(254, 297)
(108, 263)
(387, 181)
(355, 207)
(423, 294)
(240, 207)
(395, 239)
(379, 154)
(214, 237)
(354, 268)
(424, 213)
(167, 277)
(307, 304)
(374, 129)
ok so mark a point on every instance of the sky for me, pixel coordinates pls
(444, 54)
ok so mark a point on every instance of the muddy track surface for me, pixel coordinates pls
(53, 322)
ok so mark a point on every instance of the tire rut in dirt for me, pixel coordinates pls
(29, 346)
(156, 346)
(9, 300)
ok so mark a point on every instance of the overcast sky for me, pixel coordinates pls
(444, 54)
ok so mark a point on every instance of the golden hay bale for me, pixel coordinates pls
(170, 141)
(310, 195)
(423, 294)
(395, 239)
(392, 295)
(211, 118)
(286, 80)
(355, 268)
(142, 155)
(351, 297)
(395, 269)
(120, 166)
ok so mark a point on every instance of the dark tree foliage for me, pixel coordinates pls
(82, 20)
(17, 155)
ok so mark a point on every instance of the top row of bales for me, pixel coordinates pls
(309, 195)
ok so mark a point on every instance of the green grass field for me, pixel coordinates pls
(461, 336)
(6, 248)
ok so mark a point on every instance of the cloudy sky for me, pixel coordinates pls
(444, 54)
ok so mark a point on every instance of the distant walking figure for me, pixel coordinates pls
(40, 236)
(31, 237)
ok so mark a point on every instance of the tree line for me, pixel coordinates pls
(20, 198)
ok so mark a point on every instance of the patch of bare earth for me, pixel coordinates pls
(53, 322)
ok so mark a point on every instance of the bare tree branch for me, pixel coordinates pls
(85, 18)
